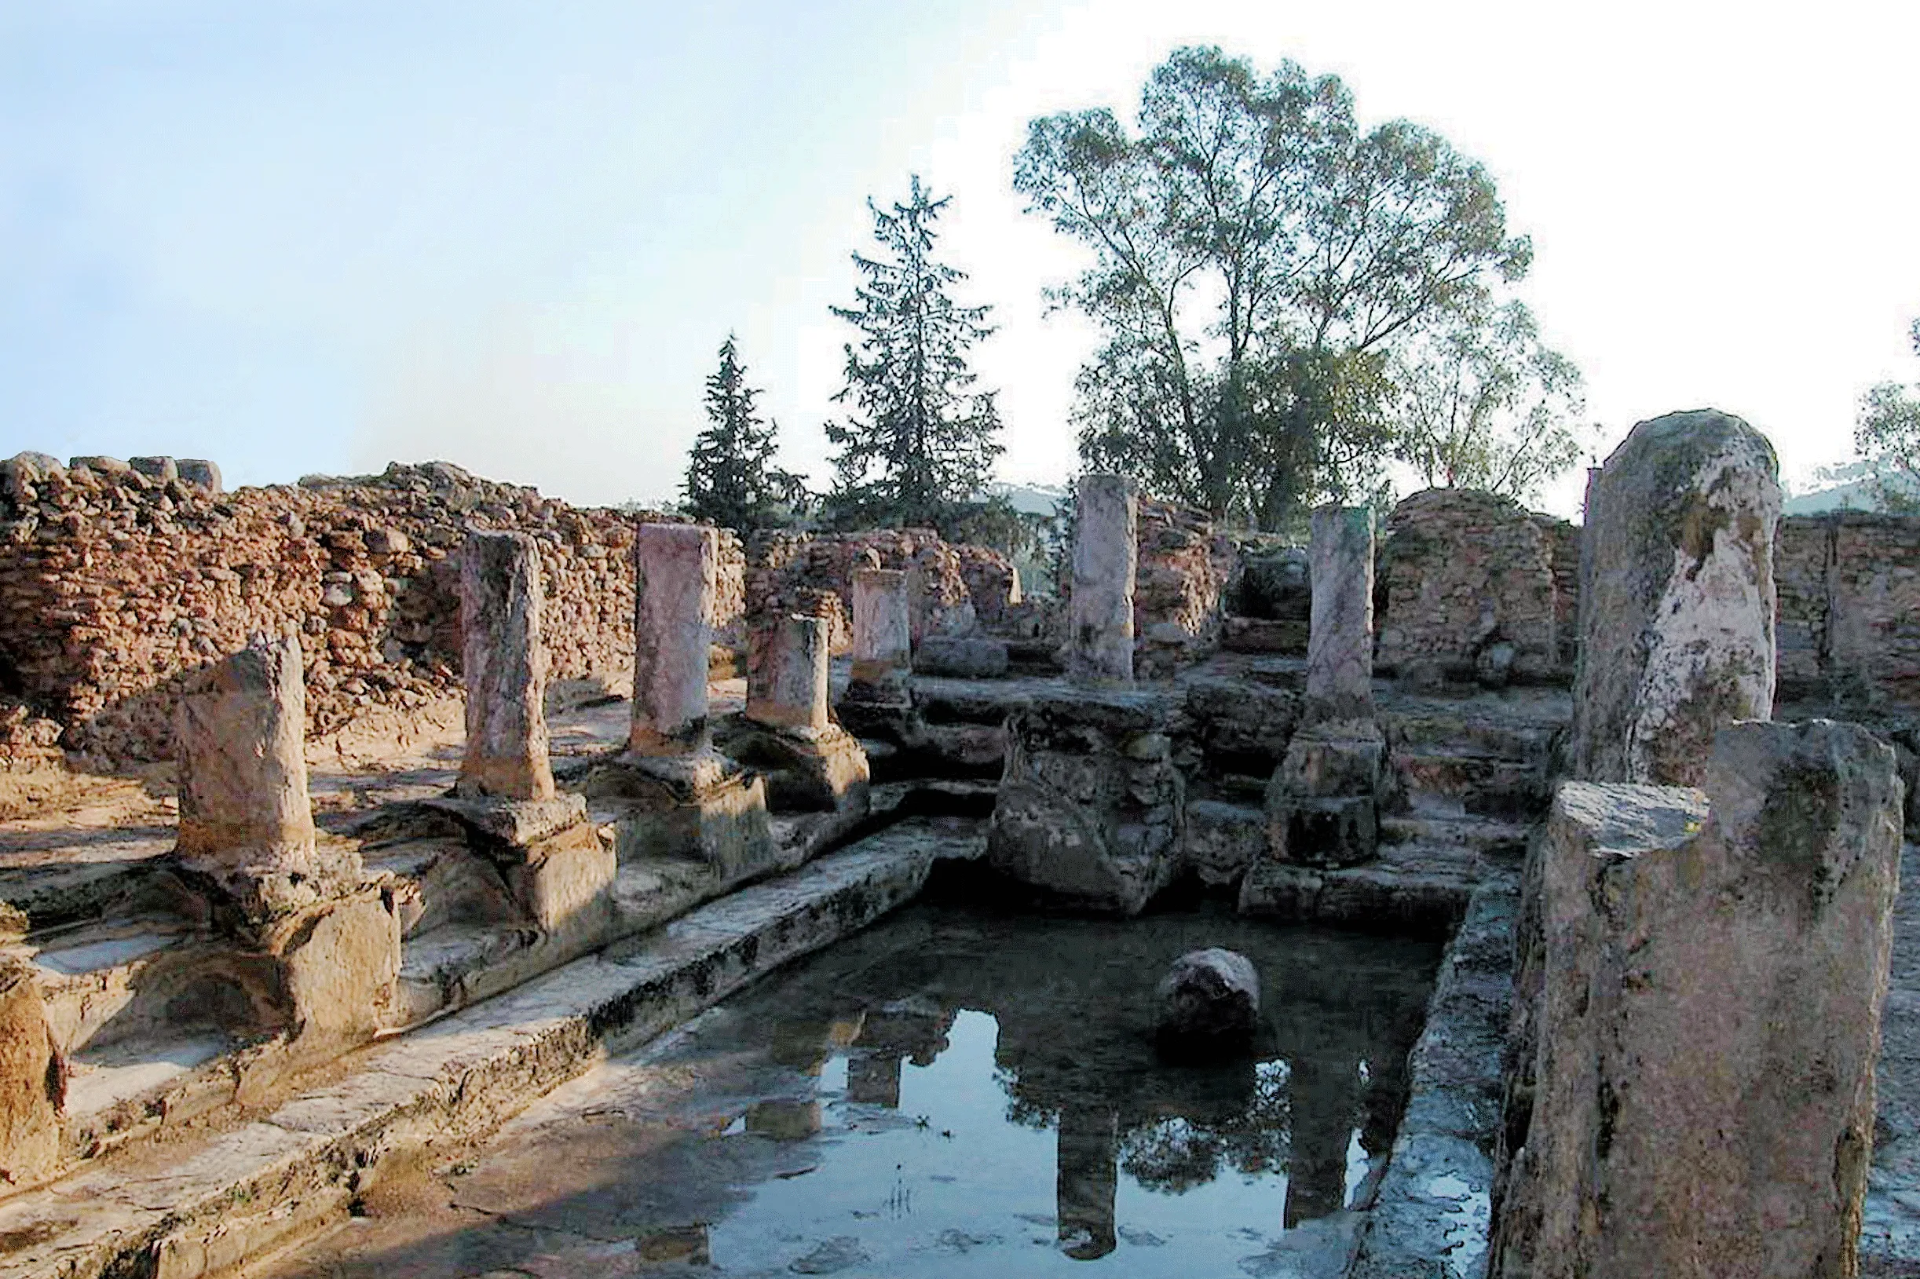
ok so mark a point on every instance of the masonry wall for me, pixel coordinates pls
(1459, 571)
(1849, 610)
(953, 587)
(114, 585)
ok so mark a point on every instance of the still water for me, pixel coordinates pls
(954, 1093)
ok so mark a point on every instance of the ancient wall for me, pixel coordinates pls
(952, 586)
(1180, 587)
(1461, 572)
(1849, 618)
(114, 585)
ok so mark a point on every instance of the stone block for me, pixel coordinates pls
(339, 960)
(962, 656)
(155, 468)
(1220, 841)
(1084, 813)
(197, 470)
(32, 1079)
(1706, 1015)
(1334, 830)
(1677, 598)
(701, 808)
(1331, 758)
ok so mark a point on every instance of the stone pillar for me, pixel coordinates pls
(787, 673)
(245, 819)
(676, 573)
(506, 669)
(682, 798)
(1677, 607)
(1105, 555)
(246, 835)
(1340, 635)
(1708, 1015)
(882, 627)
(811, 763)
(1086, 1174)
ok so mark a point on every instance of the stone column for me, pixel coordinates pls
(506, 669)
(1677, 607)
(32, 1079)
(1712, 968)
(1340, 635)
(787, 673)
(245, 819)
(676, 570)
(1105, 555)
(1086, 1174)
(882, 626)
(246, 835)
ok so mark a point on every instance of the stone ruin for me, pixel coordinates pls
(1596, 763)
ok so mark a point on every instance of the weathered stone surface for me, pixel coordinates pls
(1708, 1011)
(882, 625)
(1220, 841)
(1340, 639)
(1677, 598)
(1468, 590)
(1105, 556)
(339, 960)
(32, 1079)
(1322, 802)
(676, 570)
(807, 769)
(965, 657)
(201, 472)
(505, 664)
(787, 665)
(701, 807)
(1207, 1006)
(245, 819)
(1848, 584)
(1091, 807)
(155, 468)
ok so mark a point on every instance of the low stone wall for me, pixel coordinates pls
(1849, 610)
(115, 585)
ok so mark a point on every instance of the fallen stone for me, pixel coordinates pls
(1207, 1006)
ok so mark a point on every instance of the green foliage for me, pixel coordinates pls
(918, 442)
(1258, 260)
(1886, 436)
(1484, 405)
(731, 480)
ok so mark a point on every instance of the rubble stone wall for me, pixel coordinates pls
(1849, 609)
(1180, 587)
(115, 585)
(1461, 570)
(953, 587)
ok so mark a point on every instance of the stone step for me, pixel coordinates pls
(1483, 834)
(203, 1204)
(1440, 784)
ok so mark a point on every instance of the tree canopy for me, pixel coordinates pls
(1886, 435)
(731, 479)
(1264, 271)
(918, 441)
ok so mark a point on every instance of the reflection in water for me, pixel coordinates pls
(961, 1087)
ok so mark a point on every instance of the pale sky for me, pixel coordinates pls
(303, 236)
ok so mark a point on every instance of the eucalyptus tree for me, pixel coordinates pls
(1886, 435)
(1258, 258)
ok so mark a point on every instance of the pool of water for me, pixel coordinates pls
(953, 1093)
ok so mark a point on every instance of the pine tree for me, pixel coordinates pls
(730, 477)
(919, 442)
